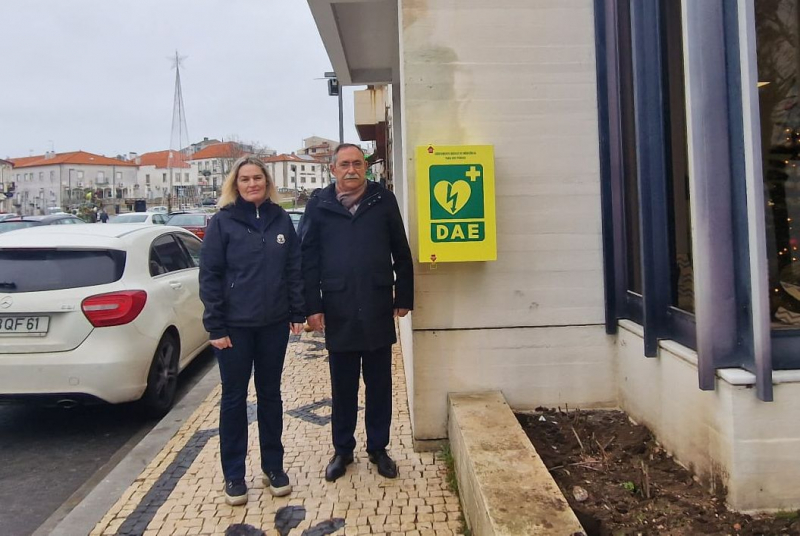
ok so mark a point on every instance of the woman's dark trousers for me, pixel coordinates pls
(263, 349)
(345, 373)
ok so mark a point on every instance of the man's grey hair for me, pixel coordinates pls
(345, 146)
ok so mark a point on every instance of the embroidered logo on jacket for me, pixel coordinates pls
(281, 239)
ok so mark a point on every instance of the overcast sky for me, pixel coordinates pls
(95, 75)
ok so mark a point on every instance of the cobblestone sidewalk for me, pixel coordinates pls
(180, 491)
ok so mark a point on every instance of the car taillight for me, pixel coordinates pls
(114, 308)
(199, 232)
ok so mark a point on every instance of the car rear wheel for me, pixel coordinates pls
(162, 380)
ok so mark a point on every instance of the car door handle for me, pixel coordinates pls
(175, 284)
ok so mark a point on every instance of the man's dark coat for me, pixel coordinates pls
(357, 268)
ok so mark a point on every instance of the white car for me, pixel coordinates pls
(140, 217)
(92, 313)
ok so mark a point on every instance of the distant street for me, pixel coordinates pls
(48, 454)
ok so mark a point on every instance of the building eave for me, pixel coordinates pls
(361, 39)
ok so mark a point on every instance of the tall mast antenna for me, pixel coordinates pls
(179, 138)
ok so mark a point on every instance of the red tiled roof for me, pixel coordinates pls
(160, 159)
(17, 162)
(74, 158)
(227, 149)
(292, 158)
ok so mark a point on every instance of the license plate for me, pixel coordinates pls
(24, 325)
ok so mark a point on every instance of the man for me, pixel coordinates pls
(355, 254)
(103, 216)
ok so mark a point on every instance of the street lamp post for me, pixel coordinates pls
(169, 195)
(341, 115)
(69, 190)
(335, 89)
(296, 192)
(114, 188)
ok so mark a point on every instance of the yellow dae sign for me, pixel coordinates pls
(455, 203)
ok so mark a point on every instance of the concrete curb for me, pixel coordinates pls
(506, 490)
(86, 514)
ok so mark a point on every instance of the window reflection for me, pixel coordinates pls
(631, 192)
(680, 216)
(777, 37)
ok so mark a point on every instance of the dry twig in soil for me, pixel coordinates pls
(578, 438)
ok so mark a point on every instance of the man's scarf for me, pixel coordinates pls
(350, 200)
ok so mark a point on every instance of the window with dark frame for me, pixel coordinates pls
(653, 109)
(628, 130)
(680, 218)
(679, 257)
(647, 208)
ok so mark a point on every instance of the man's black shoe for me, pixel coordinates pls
(235, 492)
(386, 465)
(337, 466)
(278, 483)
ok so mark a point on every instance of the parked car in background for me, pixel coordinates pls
(23, 222)
(94, 313)
(196, 222)
(140, 217)
(296, 214)
(161, 209)
(8, 216)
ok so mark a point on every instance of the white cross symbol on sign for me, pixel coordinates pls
(473, 173)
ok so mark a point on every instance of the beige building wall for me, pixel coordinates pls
(520, 76)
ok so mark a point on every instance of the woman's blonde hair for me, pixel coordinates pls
(229, 190)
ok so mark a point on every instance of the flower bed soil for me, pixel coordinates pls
(619, 481)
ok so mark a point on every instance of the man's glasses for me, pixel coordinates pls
(355, 164)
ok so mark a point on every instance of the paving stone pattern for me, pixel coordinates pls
(180, 491)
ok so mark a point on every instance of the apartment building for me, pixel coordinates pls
(50, 181)
(301, 172)
(160, 169)
(214, 161)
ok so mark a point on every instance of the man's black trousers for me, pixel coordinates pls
(345, 372)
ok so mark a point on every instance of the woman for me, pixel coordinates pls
(250, 284)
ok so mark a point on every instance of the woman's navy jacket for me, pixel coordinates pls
(250, 269)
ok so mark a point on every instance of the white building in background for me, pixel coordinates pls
(319, 148)
(200, 145)
(291, 171)
(212, 164)
(157, 170)
(214, 161)
(62, 180)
